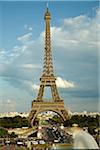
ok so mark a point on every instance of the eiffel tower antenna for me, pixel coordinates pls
(47, 5)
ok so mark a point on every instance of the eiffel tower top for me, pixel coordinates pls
(47, 13)
(48, 65)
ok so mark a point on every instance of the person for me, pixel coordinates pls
(82, 139)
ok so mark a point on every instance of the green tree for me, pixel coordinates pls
(84, 121)
(3, 133)
(13, 122)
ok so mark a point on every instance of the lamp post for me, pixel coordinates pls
(39, 133)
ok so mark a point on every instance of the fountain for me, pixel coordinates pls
(83, 140)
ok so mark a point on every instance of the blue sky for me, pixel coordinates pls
(74, 31)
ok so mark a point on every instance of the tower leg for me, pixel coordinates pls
(54, 92)
(40, 94)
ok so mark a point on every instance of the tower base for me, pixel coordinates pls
(57, 107)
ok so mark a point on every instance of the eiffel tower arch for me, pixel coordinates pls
(48, 80)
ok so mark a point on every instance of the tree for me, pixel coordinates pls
(3, 133)
(13, 122)
(84, 121)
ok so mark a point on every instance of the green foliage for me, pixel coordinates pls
(3, 133)
(56, 119)
(84, 121)
(13, 122)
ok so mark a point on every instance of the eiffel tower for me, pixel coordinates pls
(48, 79)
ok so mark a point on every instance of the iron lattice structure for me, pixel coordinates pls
(48, 79)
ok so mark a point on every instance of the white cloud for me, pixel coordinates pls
(2, 53)
(27, 27)
(30, 66)
(78, 21)
(30, 28)
(35, 87)
(77, 33)
(32, 86)
(25, 38)
(62, 83)
(7, 56)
